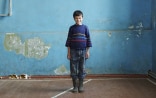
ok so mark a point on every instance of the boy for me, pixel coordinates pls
(78, 43)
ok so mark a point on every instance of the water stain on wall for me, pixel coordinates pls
(31, 48)
(61, 70)
(88, 71)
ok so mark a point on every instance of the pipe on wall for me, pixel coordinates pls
(9, 9)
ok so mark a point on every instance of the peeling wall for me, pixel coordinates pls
(32, 48)
(61, 70)
(121, 33)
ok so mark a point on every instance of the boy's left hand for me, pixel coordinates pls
(87, 54)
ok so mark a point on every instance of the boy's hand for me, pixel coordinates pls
(68, 56)
(87, 54)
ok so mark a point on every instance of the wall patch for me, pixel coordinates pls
(32, 48)
(62, 70)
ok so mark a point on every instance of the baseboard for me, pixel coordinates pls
(95, 76)
(152, 74)
(88, 76)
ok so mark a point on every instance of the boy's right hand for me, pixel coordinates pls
(68, 56)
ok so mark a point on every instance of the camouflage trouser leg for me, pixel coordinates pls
(77, 64)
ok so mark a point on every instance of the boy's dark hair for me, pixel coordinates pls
(77, 13)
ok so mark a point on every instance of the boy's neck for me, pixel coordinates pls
(78, 24)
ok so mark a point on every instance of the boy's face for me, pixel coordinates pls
(78, 20)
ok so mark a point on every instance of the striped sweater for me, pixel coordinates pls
(78, 37)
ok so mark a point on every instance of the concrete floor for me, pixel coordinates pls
(94, 88)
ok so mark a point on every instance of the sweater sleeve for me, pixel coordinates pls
(68, 38)
(88, 42)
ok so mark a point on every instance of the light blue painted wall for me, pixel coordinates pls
(120, 44)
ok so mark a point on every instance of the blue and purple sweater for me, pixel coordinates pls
(78, 37)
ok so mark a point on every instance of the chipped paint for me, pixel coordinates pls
(131, 27)
(137, 35)
(62, 70)
(35, 48)
(139, 26)
(127, 38)
(109, 34)
(31, 48)
(12, 42)
(88, 71)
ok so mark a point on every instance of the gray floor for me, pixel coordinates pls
(94, 88)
